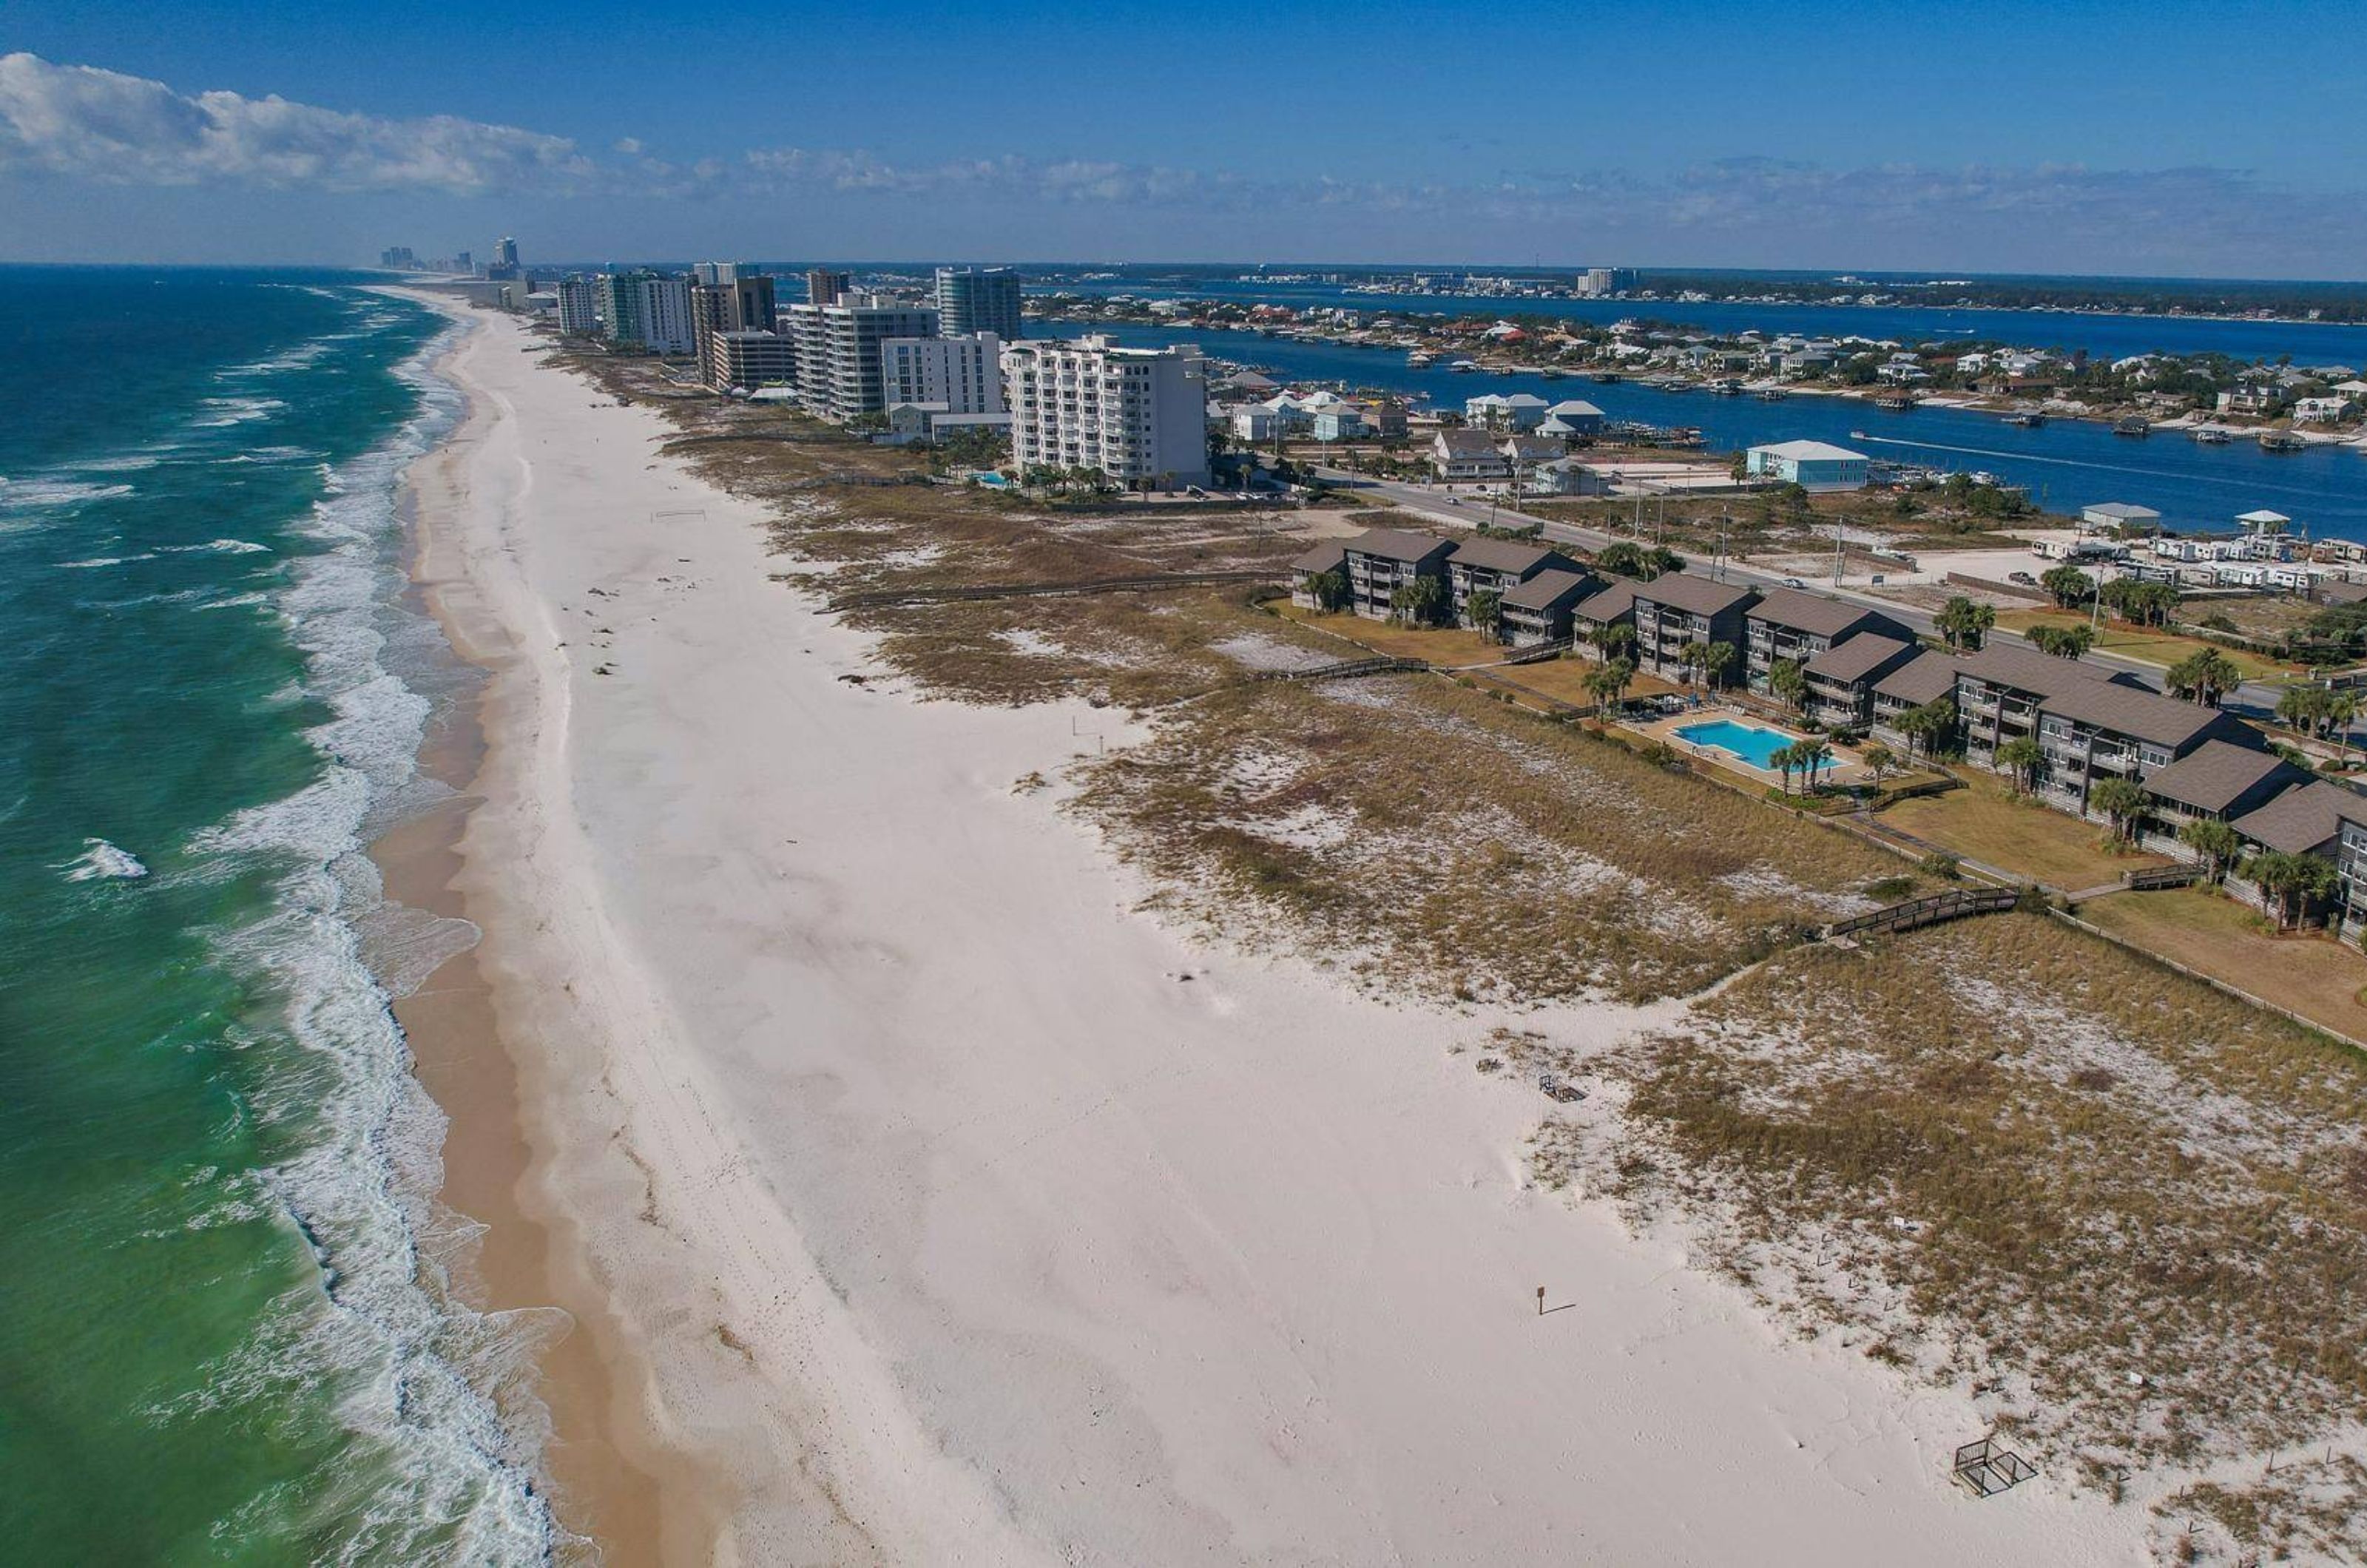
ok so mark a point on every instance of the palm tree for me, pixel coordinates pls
(2294, 881)
(2124, 801)
(1484, 610)
(1785, 758)
(1788, 679)
(1878, 760)
(1716, 659)
(2214, 840)
(1814, 758)
(1963, 623)
(2205, 676)
(1691, 658)
(2022, 758)
(1607, 682)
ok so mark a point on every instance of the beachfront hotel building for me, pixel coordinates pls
(727, 302)
(971, 300)
(749, 360)
(838, 351)
(1139, 415)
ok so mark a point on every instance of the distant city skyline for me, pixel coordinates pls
(2174, 140)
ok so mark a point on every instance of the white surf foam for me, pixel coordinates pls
(446, 1391)
(25, 495)
(101, 860)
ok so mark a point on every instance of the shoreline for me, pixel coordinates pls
(603, 1464)
(898, 1241)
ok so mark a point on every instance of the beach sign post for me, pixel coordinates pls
(1541, 1301)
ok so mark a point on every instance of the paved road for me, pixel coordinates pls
(2251, 699)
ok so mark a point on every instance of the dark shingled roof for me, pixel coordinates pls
(1924, 679)
(1855, 658)
(2217, 773)
(2301, 819)
(1391, 544)
(1468, 443)
(1329, 555)
(1506, 555)
(1548, 589)
(1810, 613)
(1617, 599)
(2027, 669)
(2130, 710)
(1683, 590)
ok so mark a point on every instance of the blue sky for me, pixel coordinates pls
(2169, 138)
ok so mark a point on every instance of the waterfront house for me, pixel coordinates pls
(1467, 454)
(1812, 464)
(1381, 560)
(1791, 624)
(1527, 451)
(1493, 566)
(1541, 609)
(2119, 516)
(1678, 609)
(1591, 619)
(1572, 419)
(1254, 422)
(2322, 411)
(1386, 419)
(1841, 679)
(1919, 679)
(1494, 411)
(2216, 781)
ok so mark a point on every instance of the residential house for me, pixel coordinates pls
(1812, 464)
(1678, 609)
(1841, 678)
(2322, 411)
(1340, 422)
(1567, 476)
(1572, 419)
(1382, 560)
(1467, 454)
(1789, 624)
(1528, 451)
(1492, 566)
(1386, 419)
(1542, 609)
(1494, 411)
(2119, 516)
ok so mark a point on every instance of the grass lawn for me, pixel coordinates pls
(2230, 941)
(1564, 680)
(1986, 822)
(2161, 648)
(1439, 646)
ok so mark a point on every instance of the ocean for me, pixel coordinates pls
(231, 1330)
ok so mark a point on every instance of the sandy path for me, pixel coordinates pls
(956, 1225)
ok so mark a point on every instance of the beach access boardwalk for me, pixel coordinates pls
(1954, 905)
(1149, 582)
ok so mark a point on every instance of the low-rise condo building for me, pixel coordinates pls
(1493, 566)
(1789, 624)
(1676, 610)
(1543, 608)
(1840, 680)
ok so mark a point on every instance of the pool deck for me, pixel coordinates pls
(1845, 767)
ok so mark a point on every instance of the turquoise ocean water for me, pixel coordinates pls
(228, 1330)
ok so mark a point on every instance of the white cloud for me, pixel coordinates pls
(101, 125)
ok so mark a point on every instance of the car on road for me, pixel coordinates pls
(2021, 577)
(1794, 582)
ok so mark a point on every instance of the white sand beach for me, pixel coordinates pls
(947, 1209)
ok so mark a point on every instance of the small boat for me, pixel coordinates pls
(2027, 421)
(1729, 388)
(1896, 402)
(1772, 394)
(2281, 441)
(1420, 361)
(1463, 368)
(2211, 435)
(1606, 377)
(2132, 426)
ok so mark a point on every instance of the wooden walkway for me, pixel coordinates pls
(1954, 905)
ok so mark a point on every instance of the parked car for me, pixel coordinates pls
(1794, 582)
(2021, 577)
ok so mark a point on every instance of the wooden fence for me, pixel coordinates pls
(1954, 905)
(2148, 879)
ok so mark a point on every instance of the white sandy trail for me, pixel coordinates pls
(1036, 1251)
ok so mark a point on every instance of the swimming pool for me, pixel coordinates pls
(1753, 744)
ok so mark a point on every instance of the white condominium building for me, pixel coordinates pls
(578, 306)
(1139, 415)
(947, 375)
(648, 311)
(838, 351)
